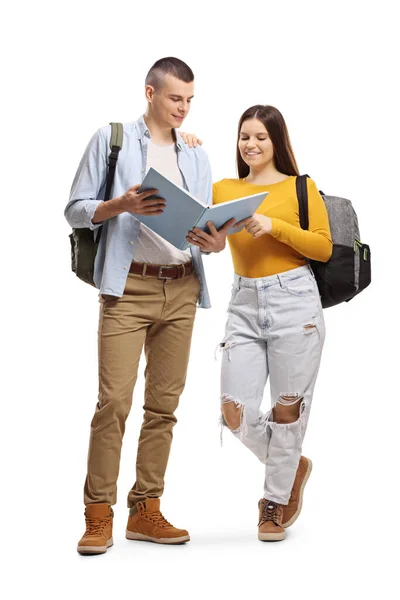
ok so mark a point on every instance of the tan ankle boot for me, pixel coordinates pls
(292, 510)
(270, 523)
(98, 535)
(148, 524)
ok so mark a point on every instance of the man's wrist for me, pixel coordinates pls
(118, 204)
(108, 209)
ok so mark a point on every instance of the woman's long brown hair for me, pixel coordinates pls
(274, 123)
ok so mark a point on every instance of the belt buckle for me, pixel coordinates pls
(160, 275)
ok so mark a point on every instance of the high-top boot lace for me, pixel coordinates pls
(96, 526)
(158, 519)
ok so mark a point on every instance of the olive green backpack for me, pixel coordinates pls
(84, 242)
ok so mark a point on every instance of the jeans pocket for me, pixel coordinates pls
(234, 293)
(301, 286)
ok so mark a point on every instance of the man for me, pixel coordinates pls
(148, 295)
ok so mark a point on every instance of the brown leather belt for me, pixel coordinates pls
(162, 271)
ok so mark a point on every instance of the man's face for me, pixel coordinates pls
(171, 103)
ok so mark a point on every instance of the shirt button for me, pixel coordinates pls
(125, 267)
(131, 243)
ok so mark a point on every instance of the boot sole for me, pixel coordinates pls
(298, 511)
(271, 537)
(130, 535)
(95, 549)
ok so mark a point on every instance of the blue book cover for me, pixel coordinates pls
(183, 211)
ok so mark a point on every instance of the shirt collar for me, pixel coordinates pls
(143, 131)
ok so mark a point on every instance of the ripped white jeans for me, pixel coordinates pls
(275, 328)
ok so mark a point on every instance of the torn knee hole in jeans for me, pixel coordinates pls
(287, 411)
(289, 399)
(232, 412)
(232, 415)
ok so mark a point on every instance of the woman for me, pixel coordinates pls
(275, 326)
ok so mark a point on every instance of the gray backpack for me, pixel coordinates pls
(348, 271)
(84, 242)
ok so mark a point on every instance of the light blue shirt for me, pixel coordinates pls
(119, 234)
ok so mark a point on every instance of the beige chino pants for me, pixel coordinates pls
(159, 315)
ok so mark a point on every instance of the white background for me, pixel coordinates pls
(70, 68)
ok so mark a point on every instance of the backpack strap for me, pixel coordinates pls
(116, 140)
(117, 133)
(302, 197)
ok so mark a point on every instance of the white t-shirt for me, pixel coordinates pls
(150, 247)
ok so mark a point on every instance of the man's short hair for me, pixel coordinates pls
(168, 66)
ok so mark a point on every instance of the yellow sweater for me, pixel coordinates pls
(287, 245)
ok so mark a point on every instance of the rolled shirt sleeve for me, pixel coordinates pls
(88, 186)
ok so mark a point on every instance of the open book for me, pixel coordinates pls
(183, 211)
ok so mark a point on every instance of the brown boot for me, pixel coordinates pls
(270, 524)
(148, 524)
(98, 535)
(292, 510)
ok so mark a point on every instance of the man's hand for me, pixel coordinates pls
(256, 225)
(190, 139)
(210, 242)
(137, 204)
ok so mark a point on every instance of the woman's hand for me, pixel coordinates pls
(256, 225)
(190, 139)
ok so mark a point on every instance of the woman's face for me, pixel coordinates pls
(255, 145)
